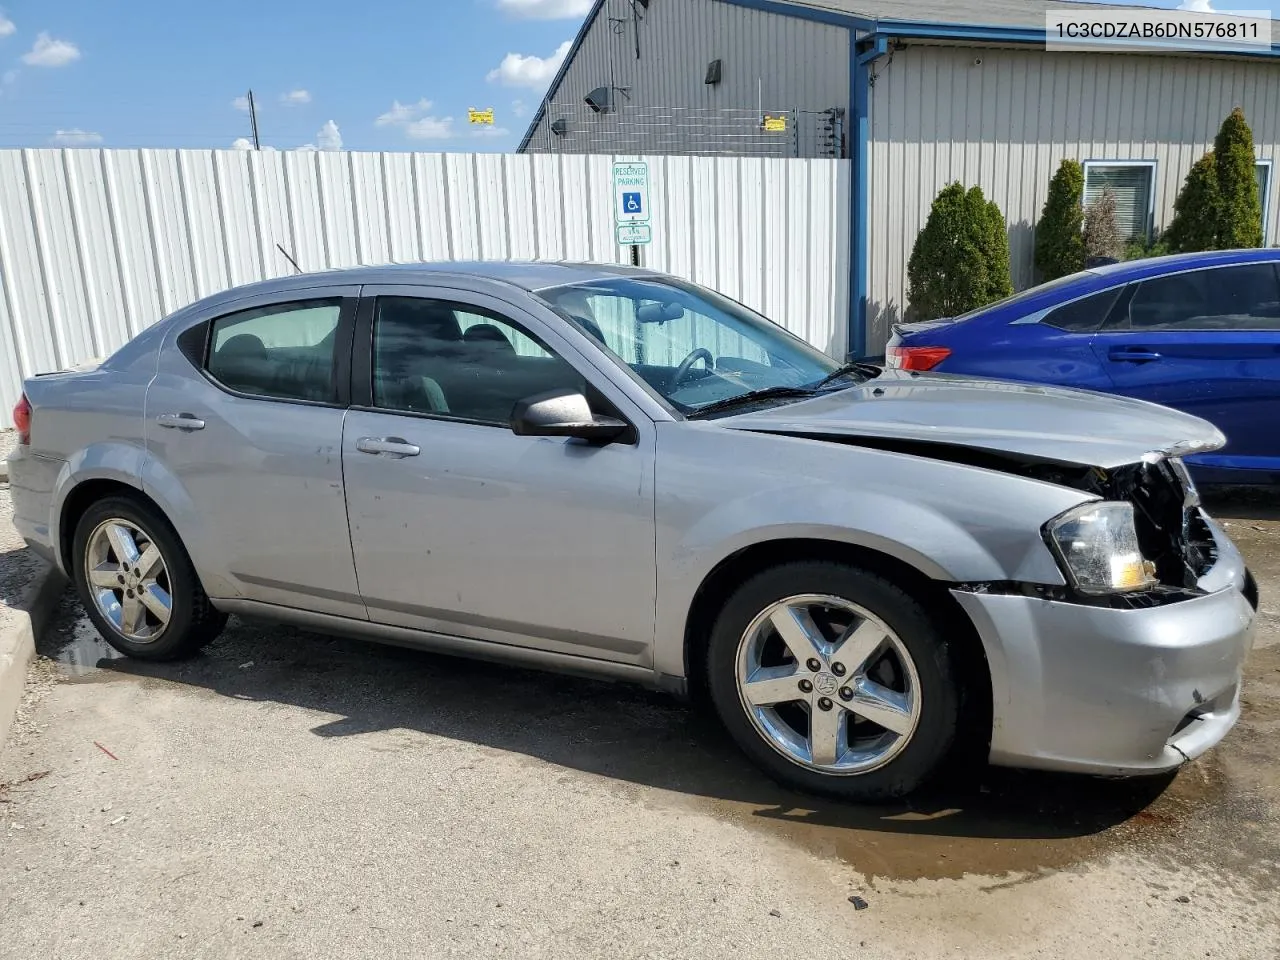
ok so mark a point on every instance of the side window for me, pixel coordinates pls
(1246, 297)
(284, 351)
(460, 361)
(1084, 315)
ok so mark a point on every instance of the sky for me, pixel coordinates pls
(325, 74)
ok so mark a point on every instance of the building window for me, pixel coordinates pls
(1133, 182)
(1262, 170)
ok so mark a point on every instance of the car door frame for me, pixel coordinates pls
(579, 351)
(573, 345)
(213, 561)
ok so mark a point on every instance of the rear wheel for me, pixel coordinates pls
(834, 680)
(137, 583)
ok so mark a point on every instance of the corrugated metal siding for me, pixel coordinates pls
(786, 62)
(1006, 124)
(97, 244)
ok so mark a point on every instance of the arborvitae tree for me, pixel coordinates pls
(995, 247)
(1059, 236)
(1239, 208)
(1195, 213)
(956, 263)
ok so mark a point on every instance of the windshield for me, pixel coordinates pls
(691, 346)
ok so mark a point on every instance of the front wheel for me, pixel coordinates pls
(137, 583)
(835, 681)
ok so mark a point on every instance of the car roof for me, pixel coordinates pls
(525, 275)
(1174, 263)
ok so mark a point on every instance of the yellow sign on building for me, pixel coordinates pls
(481, 116)
(775, 124)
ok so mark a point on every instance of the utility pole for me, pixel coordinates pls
(253, 122)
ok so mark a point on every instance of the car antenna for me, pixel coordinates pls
(289, 258)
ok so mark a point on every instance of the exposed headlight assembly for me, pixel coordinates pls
(1097, 545)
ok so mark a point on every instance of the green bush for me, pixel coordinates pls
(960, 260)
(1059, 237)
(1195, 213)
(995, 247)
(1141, 249)
(1239, 208)
(1101, 234)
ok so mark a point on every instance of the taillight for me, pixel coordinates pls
(22, 420)
(917, 358)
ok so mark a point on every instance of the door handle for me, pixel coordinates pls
(1133, 354)
(395, 447)
(180, 421)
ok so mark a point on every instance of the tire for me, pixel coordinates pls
(192, 620)
(910, 682)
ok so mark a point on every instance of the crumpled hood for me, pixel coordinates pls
(1050, 423)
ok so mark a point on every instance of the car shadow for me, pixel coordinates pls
(632, 735)
(1242, 502)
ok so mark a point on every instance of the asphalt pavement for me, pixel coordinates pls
(294, 795)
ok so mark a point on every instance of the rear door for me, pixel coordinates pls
(1207, 342)
(244, 422)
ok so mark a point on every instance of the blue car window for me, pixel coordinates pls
(1244, 297)
(1084, 315)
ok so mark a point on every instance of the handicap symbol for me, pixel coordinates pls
(631, 203)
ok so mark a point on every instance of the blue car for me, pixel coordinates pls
(1199, 332)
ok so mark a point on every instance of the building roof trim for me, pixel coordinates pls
(885, 27)
(583, 30)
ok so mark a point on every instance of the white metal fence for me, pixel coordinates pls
(95, 245)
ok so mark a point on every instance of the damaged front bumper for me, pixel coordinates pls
(1107, 690)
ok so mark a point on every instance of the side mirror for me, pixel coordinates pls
(561, 414)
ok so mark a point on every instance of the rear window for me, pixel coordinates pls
(1084, 315)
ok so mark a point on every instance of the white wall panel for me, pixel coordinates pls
(95, 245)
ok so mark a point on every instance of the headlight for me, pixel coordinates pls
(1098, 548)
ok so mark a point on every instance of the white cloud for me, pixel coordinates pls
(9, 77)
(307, 148)
(416, 121)
(545, 9)
(241, 143)
(75, 137)
(402, 113)
(517, 70)
(49, 52)
(328, 137)
(1197, 6)
(295, 97)
(7, 26)
(241, 104)
(519, 109)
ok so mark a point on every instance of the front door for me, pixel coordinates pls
(244, 422)
(1206, 342)
(461, 527)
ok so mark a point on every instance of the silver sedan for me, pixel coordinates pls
(613, 472)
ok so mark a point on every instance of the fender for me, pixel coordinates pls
(130, 464)
(117, 460)
(952, 522)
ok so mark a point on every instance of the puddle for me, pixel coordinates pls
(73, 643)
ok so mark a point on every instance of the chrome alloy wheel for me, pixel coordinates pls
(828, 684)
(128, 580)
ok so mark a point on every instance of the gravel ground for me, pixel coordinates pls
(292, 795)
